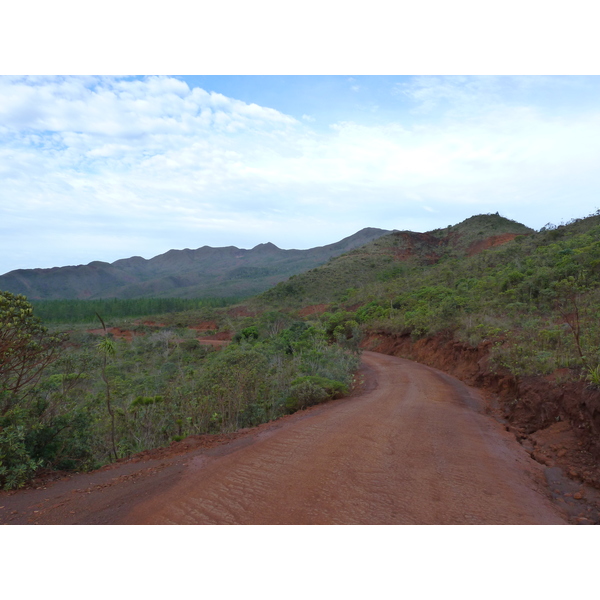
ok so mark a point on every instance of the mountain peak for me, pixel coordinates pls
(268, 247)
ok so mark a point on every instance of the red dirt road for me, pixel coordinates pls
(414, 447)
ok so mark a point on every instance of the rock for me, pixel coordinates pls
(578, 495)
(561, 453)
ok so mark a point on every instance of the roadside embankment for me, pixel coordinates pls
(556, 417)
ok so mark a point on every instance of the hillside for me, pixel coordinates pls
(390, 257)
(515, 314)
(205, 272)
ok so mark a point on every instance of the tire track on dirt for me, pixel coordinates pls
(414, 450)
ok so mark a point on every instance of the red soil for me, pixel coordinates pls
(411, 446)
(117, 333)
(491, 242)
(566, 410)
(205, 326)
(315, 309)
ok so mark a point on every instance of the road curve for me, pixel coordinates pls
(417, 448)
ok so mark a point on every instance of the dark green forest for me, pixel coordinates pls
(85, 311)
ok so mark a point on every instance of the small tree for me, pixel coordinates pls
(569, 294)
(26, 349)
(107, 348)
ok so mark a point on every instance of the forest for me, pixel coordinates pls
(85, 311)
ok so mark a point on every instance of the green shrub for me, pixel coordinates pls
(16, 466)
(311, 389)
(593, 376)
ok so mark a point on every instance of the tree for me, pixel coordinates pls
(26, 349)
(569, 294)
(107, 348)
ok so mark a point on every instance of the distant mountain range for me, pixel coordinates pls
(205, 272)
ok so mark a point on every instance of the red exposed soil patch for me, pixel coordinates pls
(417, 244)
(221, 336)
(241, 311)
(315, 309)
(491, 242)
(205, 326)
(117, 333)
(528, 405)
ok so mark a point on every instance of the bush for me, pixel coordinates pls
(310, 390)
(26, 349)
(16, 466)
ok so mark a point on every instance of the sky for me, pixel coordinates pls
(308, 123)
(107, 167)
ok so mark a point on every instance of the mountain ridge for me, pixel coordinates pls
(388, 255)
(201, 272)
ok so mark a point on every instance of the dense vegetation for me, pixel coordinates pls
(536, 298)
(85, 311)
(389, 258)
(102, 399)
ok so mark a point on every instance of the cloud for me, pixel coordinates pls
(152, 159)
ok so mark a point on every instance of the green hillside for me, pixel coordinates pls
(536, 297)
(391, 258)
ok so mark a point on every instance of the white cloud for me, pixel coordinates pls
(152, 155)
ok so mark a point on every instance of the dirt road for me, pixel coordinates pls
(414, 447)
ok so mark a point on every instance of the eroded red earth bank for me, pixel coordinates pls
(556, 420)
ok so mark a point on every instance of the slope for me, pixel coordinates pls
(391, 257)
(204, 272)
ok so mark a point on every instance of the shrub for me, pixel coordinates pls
(16, 465)
(311, 389)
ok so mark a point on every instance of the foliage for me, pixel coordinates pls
(84, 311)
(105, 398)
(535, 299)
(593, 376)
(16, 465)
(26, 349)
(310, 390)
